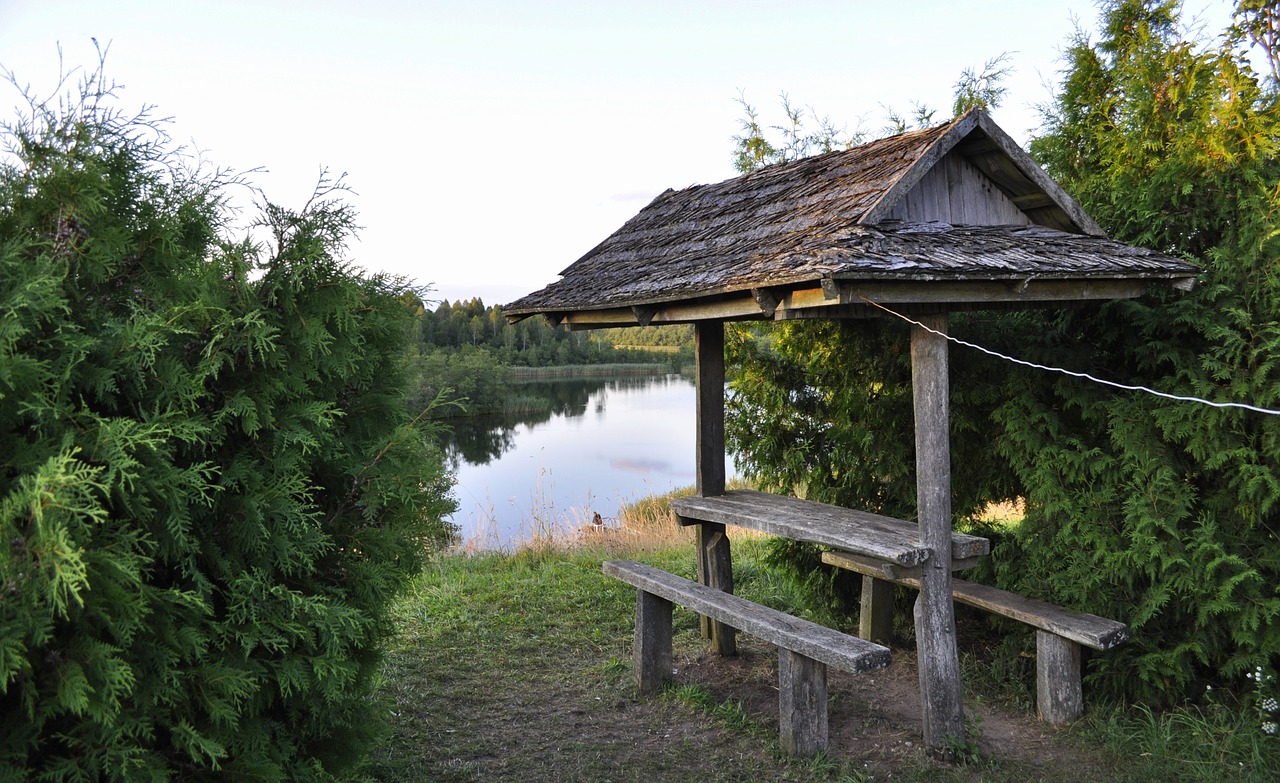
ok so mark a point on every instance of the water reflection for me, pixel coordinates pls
(480, 439)
(601, 443)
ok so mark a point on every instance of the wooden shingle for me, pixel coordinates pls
(956, 216)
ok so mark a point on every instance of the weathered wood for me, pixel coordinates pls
(1090, 630)
(802, 703)
(805, 649)
(884, 538)
(767, 300)
(644, 313)
(715, 562)
(875, 615)
(892, 572)
(844, 652)
(941, 694)
(957, 295)
(652, 645)
(955, 191)
(1016, 163)
(709, 357)
(715, 570)
(1059, 694)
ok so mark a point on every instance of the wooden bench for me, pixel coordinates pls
(805, 649)
(1059, 632)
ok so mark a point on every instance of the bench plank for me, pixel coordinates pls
(844, 652)
(1090, 630)
(881, 537)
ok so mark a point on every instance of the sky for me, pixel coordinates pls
(491, 143)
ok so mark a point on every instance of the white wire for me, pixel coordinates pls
(1086, 376)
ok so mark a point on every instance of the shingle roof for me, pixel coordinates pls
(825, 221)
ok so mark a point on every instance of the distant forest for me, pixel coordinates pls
(464, 354)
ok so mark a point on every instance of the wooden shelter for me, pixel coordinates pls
(954, 217)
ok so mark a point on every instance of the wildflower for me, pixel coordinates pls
(1270, 727)
(1270, 704)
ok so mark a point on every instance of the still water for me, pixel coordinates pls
(605, 442)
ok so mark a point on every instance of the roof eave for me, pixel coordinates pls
(832, 297)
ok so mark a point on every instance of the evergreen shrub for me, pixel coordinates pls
(210, 490)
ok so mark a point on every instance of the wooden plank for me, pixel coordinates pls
(1059, 694)
(881, 537)
(941, 693)
(844, 652)
(1090, 630)
(802, 704)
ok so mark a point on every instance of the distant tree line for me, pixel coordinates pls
(463, 351)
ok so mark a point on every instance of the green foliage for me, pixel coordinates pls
(1159, 513)
(1162, 513)
(754, 149)
(210, 490)
(464, 353)
(982, 90)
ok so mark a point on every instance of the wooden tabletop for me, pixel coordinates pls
(873, 535)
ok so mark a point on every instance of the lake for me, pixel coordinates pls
(605, 441)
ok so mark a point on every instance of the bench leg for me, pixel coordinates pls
(1059, 696)
(875, 617)
(715, 569)
(802, 703)
(653, 641)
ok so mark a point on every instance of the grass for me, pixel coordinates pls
(517, 666)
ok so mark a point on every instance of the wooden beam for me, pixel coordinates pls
(715, 562)
(709, 361)
(767, 300)
(1023, 291)
(644, 314)
(939, 659)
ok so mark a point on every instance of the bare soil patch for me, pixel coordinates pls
(875, 719)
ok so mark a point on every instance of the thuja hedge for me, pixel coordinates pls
(210, 490)
(1160, 513)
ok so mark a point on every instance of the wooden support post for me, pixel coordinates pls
(652, 646)
(802, 703)
(1059, 695)
(709, 358)
(715, 569)
(939, 660)
(875, 617)
(715, 562)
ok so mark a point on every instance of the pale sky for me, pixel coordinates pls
(493, 142)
